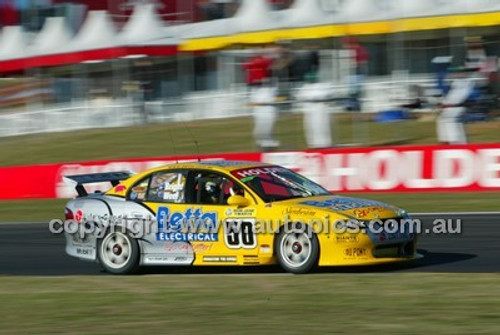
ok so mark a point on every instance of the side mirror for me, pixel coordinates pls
(238, 201)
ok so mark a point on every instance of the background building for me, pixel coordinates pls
(171, 59)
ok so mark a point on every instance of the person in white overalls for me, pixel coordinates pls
(450, 128)
(262, 98)
(265, 113)
(464, 88)
(450, 125)
(314, 97)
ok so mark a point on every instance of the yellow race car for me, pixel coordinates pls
(229, 213)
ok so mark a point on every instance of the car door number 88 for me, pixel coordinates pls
(239, 233)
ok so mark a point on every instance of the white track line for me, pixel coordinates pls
(456, 213)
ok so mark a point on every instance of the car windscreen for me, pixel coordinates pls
(275, 183)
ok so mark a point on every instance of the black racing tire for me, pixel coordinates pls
(297, 249)
(118, 253)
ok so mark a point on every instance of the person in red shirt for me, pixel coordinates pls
(359, 54)
(9, 16)
(257, 70)
(359, 65)
(262, 96)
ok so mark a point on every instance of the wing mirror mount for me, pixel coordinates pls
(238, 201)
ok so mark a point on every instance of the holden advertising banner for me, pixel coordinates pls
(398, 169)
(382, 169)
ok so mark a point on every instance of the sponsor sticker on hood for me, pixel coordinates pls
(345, 204)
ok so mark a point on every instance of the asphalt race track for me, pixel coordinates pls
(30, 249)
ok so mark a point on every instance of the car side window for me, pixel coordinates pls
(138, 192)
(214, 189)
(167, 186)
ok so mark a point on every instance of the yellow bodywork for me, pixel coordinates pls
(335, 249)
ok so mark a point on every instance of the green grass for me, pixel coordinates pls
(45, 210)
(229, 135)
(32, 210)
(252, 304)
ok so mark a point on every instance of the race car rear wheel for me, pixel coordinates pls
(118, 253)
(297, 249)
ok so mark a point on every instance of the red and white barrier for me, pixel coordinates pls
(383, 169)
(399, 169)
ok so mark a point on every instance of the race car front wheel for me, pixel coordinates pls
(118, 253)
(297, 249)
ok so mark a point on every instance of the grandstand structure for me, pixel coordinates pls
(183, 68)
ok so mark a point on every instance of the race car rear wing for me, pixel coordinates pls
(113, 177)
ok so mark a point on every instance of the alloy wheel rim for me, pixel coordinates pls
(296, 249)
(115, 250)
